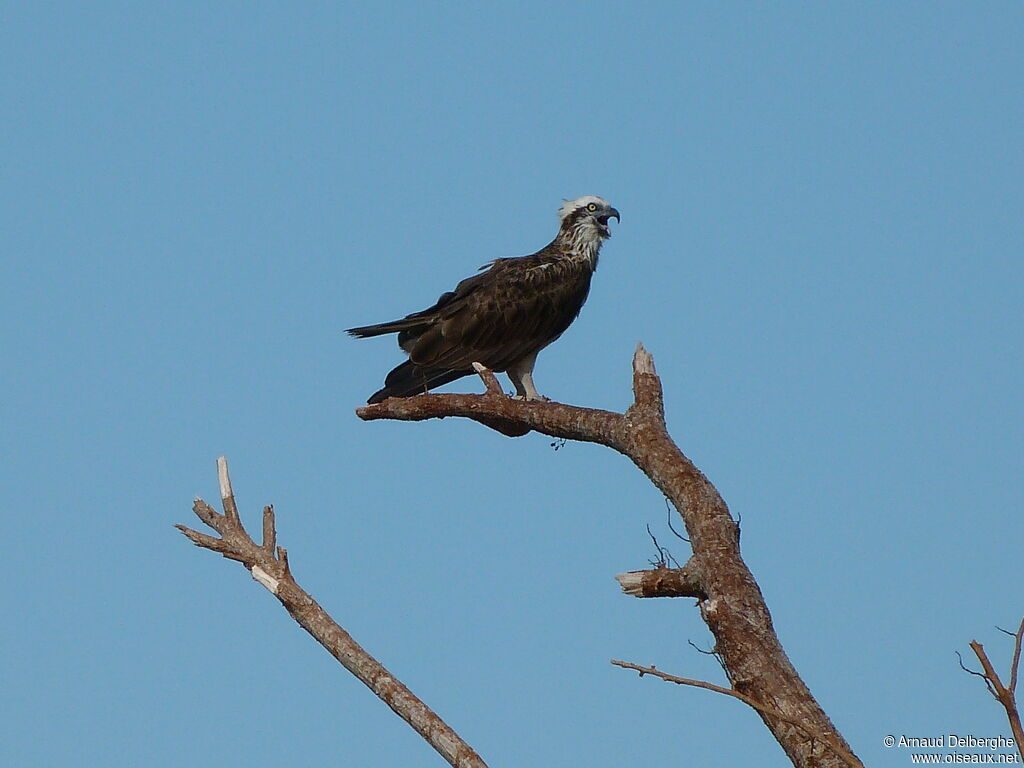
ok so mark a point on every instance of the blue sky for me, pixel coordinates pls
(820, 243)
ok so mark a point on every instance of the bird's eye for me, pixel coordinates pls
(591, 206)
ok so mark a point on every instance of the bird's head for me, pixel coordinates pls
(587, 216)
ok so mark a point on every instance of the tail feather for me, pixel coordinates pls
(366, 331)
(409, 379)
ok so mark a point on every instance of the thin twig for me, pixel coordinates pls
(698, 649)
(668, 512)
(664, 556)
(845, 754)
(1015, 664)
(970, 671)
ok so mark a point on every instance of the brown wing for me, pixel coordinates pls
(502, 315)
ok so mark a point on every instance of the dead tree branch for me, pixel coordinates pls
(662, 582)
(1004, 694)
(732, 604)
(268, 564)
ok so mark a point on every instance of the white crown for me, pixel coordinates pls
(574, 205)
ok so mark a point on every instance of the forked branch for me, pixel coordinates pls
(730, 601)
(1005, 694)
(268, 564)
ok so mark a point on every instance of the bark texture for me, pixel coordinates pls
(730, 600)
(663, 582)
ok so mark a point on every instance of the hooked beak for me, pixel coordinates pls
(603, 221)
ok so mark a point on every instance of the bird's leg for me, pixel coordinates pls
(521, 374)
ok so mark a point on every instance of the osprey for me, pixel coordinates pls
(503, 316)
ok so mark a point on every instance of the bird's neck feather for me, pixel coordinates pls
(580, 242)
